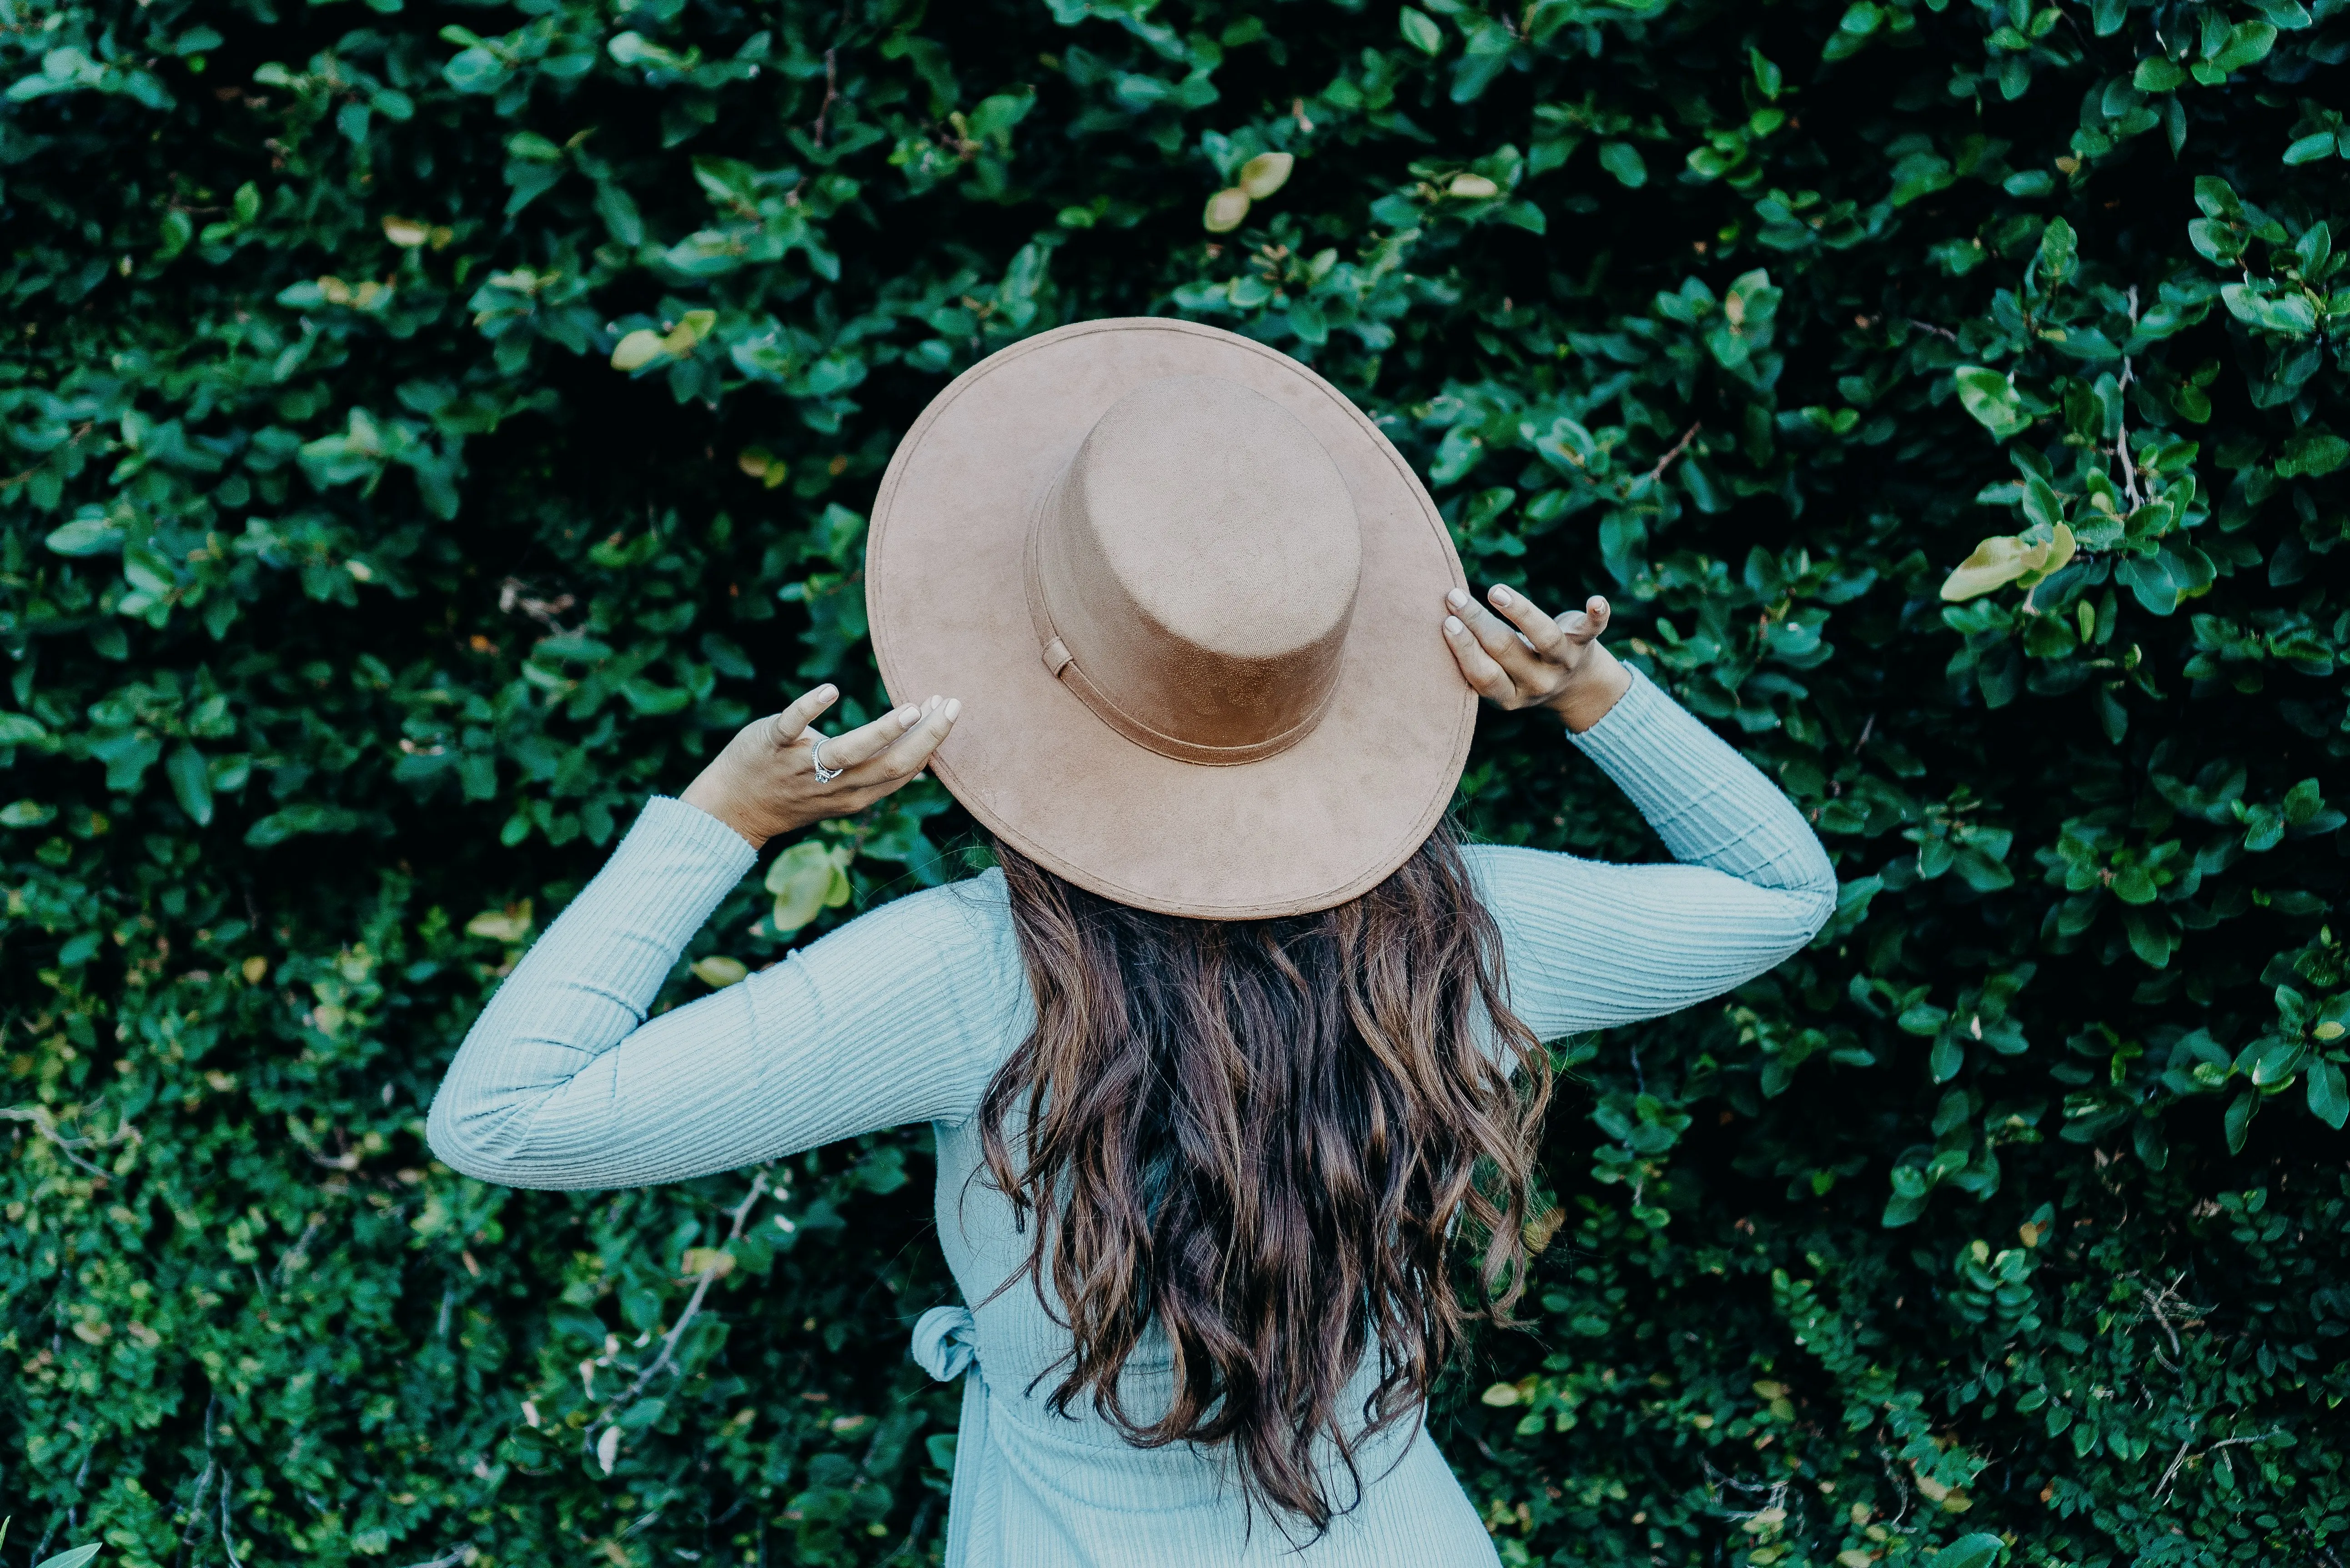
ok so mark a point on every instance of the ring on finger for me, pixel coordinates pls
(815, 755)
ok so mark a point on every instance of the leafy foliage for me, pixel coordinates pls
(426, 429)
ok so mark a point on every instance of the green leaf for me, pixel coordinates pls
(2237, 1121)
(86, 536)
(618, 209)
(2313, 454)
(2329, 1093)
(1860, 20)
(297, 820)
(1622, 159)
(1943, 1061)
(1482, 58)
(1986, 395)
(2262, 305)
(191, 782)
(73, 1559)
(2247, 43)
(2310, 148)
(1420, 30)
(1979, 1550)
(2153, 936)
(476, 70)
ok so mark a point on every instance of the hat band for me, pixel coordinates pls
(1066, 670)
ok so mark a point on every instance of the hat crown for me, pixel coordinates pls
(1193, 571)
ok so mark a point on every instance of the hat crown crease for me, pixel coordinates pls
(1193, 571)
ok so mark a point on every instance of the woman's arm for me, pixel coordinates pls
(562, 1081)
(1590, 944)
(894, 1018)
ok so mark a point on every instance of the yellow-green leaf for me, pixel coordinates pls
(408, 233)
(1225, 211)
(1995, 563)
(638, 349)
(1266, 173)
(2051, 558)
(763, 466)
(511, 924)
(691, 329)
(719, 972)
(1472, 188)
(805, 879)
(715, 1262)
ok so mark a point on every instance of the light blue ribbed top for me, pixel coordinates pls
(904, 1015)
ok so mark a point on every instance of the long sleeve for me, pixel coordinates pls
(1590, 944)
(900, 1016)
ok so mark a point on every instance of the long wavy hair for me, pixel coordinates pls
(1301, 1145)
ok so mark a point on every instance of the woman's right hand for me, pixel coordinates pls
(764, 783)
(1531, 661)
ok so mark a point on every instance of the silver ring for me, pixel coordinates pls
(815, 755)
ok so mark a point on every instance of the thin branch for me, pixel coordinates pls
(921, 1522)
(831, 92)
(300, 1251)
(1900, 1487)
(73, 441)
(739, 1215)
(45, 1122)
(2121, 417)
(454, 1555)
(196, 1508)
(512, 595)
(1666, 461)
(227, 1545)
(2178, 1460)
(1943, 332)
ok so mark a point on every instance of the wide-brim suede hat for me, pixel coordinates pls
(1191, 600)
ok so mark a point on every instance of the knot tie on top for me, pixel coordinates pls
(946, 1342)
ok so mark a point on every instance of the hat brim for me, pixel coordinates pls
(1309, 828)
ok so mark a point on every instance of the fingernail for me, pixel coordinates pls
(1501, 595)
(1457, 598)
(1452, 624)
(954, 709)
(907, 715)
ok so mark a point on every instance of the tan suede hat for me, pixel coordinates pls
(1191, 600)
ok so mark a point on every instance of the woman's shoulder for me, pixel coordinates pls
(1504, 869)
(967, 920)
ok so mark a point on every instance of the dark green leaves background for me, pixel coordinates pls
(425, 428)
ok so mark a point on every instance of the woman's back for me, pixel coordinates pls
(907, 1015)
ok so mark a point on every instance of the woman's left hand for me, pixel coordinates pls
(765, 782)
(1531, 661)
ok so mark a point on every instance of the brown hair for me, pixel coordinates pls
(1264, 1134)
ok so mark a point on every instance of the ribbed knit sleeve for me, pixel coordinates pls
(1590, 944)
(898, 1017)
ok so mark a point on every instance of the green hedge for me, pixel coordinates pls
(425, 428)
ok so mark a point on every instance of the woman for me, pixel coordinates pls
(1233, 1062)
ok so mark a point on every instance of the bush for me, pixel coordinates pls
(429, 428)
